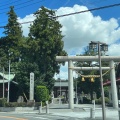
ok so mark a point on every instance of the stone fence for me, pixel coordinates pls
(17, 109)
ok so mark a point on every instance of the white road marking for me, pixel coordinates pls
(43, 118)
(37, 117)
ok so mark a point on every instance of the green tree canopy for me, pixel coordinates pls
(45, 43)
(13, 35)
(35, 53)
(42, 94)
(11, 43)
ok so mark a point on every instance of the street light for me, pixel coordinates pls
(76, 90)
(3, 84)
(60, 90)
(8, 84)
(101, 47)
(9, 62)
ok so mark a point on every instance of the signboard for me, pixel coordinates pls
(31, 97)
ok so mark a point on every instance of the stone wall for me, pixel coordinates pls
(17, 109)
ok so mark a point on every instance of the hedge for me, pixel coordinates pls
(42, 94)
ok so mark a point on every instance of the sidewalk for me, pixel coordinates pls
(82, 111)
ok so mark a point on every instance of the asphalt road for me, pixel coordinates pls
(24, 116)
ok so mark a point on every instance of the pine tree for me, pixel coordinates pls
(11, 43)
(45, 41)
(13, 35)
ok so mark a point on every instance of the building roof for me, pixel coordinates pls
(62, 83)
(6, 77)
(107, 83)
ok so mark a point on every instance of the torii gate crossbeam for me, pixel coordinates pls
(89, 68)
(88, 58)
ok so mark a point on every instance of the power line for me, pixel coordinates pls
(5, 1)
(2, 26)
(103, 7)
(24, 5)
(17, 4)
(93, 2)
(66, 2)
(29, 4)
(19, 23)
(9, 3)
(97, 1)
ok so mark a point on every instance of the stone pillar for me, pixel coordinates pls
(47, 107)
(70, 84)
(113, 85)
(52, 96)
(110, 95)
(31, 87)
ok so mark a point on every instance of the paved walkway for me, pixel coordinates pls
(82, 111)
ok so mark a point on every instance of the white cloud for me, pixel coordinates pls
(63, 72)
(25, 27)
(114, 50)
(82, 28)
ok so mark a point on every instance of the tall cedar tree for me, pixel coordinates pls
(13, 35)
(11, 44)
(45, 41)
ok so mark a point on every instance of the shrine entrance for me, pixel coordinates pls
(71, 59)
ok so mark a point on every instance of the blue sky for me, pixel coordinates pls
(101, 25)
(25, 7)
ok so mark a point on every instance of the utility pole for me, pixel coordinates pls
(3, 85)
(8, 84)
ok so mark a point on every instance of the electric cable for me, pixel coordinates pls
(20, 8)
(99, 8)
(9, 3)
(18, 4)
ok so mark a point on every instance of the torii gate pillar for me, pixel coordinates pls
(70, 84)
(113, 85)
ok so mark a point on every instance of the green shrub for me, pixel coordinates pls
(86, 100)
(30, 104)
(107, 100)
(10, 105)
(106, 91)
(42, 94)
(99, 101)
(48, 96)
(96, 101)
(37, 104)
(23, 104)
(110, 104)
(2, 102)
(15, 104)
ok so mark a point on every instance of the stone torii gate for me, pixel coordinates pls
(110, 59)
